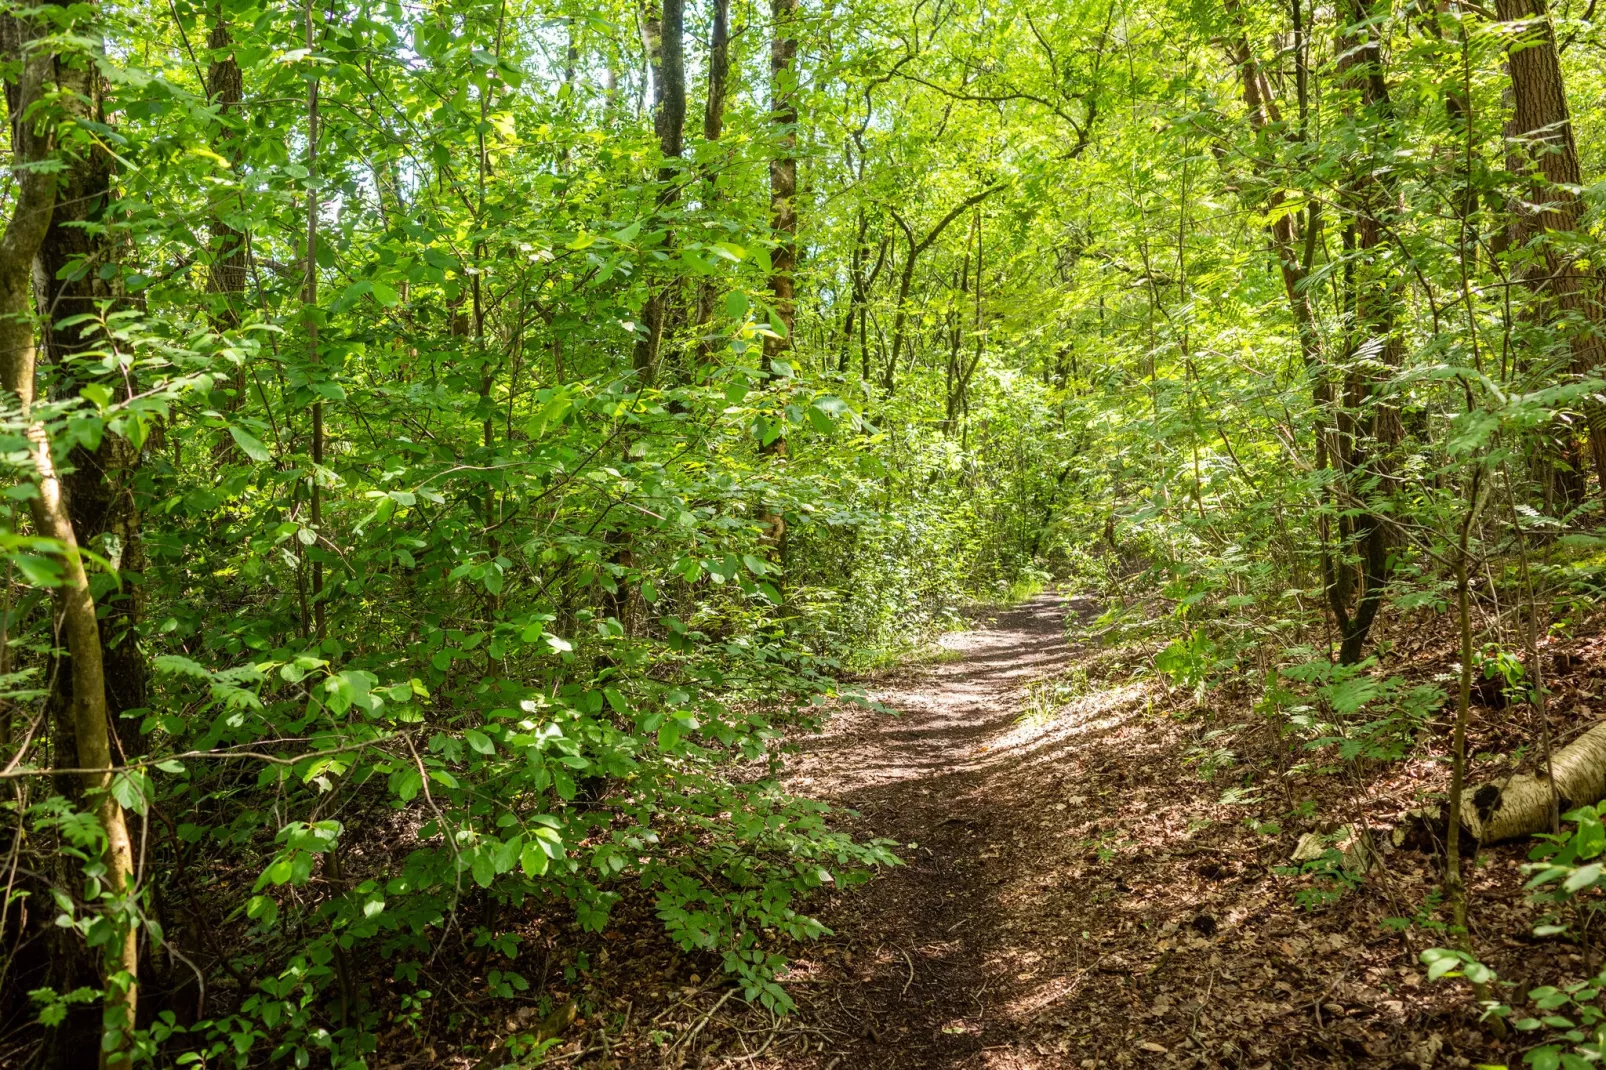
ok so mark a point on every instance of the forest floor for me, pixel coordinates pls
(1082, 889)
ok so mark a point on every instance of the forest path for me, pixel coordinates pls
(1081, 887)
(957, 959)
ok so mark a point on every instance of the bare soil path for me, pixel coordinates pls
(956, 956)
(1098, 874)
(1075, 893)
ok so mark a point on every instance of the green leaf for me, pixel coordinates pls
(483, 868)
(1582, 877)
(262, 908)
(479, 741)
(406, 784)
(132, 790)
(250, 445)
(181, 666)
(1545, 1058)
(1590, 839)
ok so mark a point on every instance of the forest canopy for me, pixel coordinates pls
(453, 448)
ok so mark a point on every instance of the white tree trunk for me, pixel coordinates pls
(1519, 805)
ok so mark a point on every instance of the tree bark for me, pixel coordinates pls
(1354, 593)
(783, 224)
(783, 171)
(855, 293)
(1520, 805)
(713, 130)
(1541, 123)
(98, 488)
(664, 37)
(36, 199)
(309, 310)
(719, 63)
(1361, 451)
(225, 86)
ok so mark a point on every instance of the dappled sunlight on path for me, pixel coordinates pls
(1075, 893)
(953, 970)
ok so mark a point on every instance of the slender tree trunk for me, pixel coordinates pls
(1354, 594)
(864, 308)
(664, 37)
(900, 315)
(855, 293)
(310, 312)
(225, 86)
(1366, 451)
(713, 130)
(783, 169)
(783, 220)
(1455, 891)
(227, 248)
(87, 717)
(906, 279)
(97, 487)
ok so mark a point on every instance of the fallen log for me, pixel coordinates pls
(1519, 805)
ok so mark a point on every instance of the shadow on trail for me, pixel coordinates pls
(952, 956)
(1078, 890)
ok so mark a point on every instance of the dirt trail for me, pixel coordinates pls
(956, 959)
(1075, 894)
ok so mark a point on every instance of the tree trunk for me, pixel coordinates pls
(889, 381)
(1519, 805)
(855, 293)
(225, 87)
(783, 223)
(309, 308)
(664, 38)
(86, 717)
(719, 62)
(1541, 124)
(1364, 452)
(98, 488)
(783, 171)
(1354, 594)
(713, 130)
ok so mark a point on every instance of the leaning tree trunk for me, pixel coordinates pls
(99, 484)
(85, 719)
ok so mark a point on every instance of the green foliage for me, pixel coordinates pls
(1349, 709)
(1569, 1017)
(472, 587)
